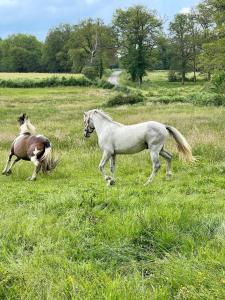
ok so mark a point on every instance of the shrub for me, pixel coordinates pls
(90, 72)
(104, 84)
(206, 99)
(124, 99)
(218, 82)
(46, 82)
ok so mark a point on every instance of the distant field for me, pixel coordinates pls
(6, 76)
(68, 236)
(157, 88)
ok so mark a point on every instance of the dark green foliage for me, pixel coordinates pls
(124, 99)
(104, 84)
(55, 81)
(208, 99)
(218, 82)
(137, 29)
(46, 82)
(90, 72)
(20, 53)
(56, 51)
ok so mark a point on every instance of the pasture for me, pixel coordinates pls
(69, 236)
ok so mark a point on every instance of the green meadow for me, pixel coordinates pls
(69, 236)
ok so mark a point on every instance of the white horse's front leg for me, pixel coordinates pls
(112, 167)
(106, 156)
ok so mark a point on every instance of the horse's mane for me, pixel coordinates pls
(27, 127)
(103, 114)
(106, 116)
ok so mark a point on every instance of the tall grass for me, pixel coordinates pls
(68, 236)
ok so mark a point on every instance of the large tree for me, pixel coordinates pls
(92, 44)
(21, 53)
(55, 53)
(180, 29)
(137, 30)
(212, 17)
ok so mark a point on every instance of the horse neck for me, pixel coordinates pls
(101, 123)
(27, 127)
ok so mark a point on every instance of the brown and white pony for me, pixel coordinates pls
(30, 147)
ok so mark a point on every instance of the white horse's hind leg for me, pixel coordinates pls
(106, 156)
(168, 158)
(155, 164)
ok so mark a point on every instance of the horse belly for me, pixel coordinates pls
(130, 148)
(20, 149)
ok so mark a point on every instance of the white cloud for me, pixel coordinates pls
(7, 3)
(91, 1)
(185, 10)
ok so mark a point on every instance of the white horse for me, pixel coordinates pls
(115, 138)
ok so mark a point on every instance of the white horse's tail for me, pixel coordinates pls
(48, 162)
(182, 145)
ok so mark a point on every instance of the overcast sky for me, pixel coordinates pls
(37, 17)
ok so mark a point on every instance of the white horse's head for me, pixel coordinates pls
(88, 123)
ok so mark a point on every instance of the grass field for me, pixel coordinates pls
(69, 236)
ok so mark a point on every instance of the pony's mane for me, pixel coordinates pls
(27, 127)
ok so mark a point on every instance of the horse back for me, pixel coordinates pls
(25, 145)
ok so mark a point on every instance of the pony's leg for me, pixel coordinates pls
(112, 167)
(168, 158)
(35, 173)
(155, 164)
(105, 157)
(13, 163)
(6, 169)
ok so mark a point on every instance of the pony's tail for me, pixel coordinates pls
(48, 162)
(182, 145)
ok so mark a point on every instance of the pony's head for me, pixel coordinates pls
(25, 125)
(88, 123)
(22, 119)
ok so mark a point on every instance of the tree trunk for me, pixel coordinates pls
(140, 80)
(183, 77)
(194, 68)
(209, 76)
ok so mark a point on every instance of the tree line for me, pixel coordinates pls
(135, 41)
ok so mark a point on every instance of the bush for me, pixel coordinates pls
(104, 84)
(90, 72)
(46, 82)
(206, 99)
(124, 99)
(218, 82)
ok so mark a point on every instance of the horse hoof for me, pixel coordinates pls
(7, 173)
(168, 177)
(31, 178)
(110, 181)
